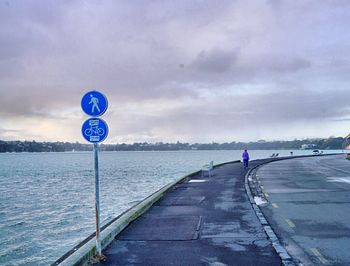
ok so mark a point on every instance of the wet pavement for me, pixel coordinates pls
(309, 207)
(202, 221)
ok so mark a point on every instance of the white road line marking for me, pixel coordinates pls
(290, 223)
(318, 254)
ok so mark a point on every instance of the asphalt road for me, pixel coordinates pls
(309, 207)
(202, 221)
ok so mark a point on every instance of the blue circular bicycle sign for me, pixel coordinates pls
(94, 103)
(94, 130)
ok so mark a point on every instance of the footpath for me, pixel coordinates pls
(201, 221)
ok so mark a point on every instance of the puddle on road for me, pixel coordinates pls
(197, 181)
(260, 201)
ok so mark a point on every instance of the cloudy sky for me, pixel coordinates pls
(196, 71)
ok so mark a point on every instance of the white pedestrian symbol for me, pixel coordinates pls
(94, 102)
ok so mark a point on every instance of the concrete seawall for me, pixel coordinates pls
(82, 253)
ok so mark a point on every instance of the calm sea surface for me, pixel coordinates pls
(47, 199)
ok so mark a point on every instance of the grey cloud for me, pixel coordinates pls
(27, 28)
(54, 51)
(341, 120)
(38, 102)
(216, 117)
(215, 60)
(6, 133)
(6, 130)
(292, 65)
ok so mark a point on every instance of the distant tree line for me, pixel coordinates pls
(33, 146)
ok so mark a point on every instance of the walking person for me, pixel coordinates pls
(245, 157)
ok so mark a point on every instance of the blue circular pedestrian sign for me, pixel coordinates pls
(94, 130)
(94, 103)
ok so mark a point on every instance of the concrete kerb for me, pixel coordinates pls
(281, 251)
(82, 254)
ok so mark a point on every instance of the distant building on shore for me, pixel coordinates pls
(308, 146)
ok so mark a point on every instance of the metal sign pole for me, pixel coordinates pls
(97, 201)
(95, 130)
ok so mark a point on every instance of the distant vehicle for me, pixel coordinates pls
(316, 152)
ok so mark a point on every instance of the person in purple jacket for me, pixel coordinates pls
(245, 156)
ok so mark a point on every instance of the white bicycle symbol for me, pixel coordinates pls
(96, 131)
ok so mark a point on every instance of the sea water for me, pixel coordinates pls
(47, 199)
